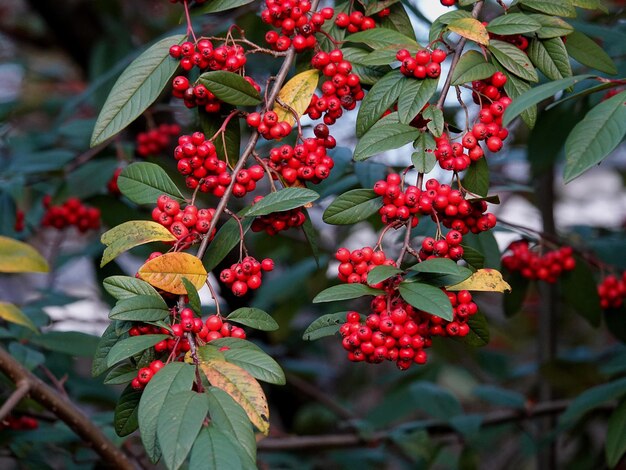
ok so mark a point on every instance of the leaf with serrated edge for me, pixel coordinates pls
(297, 94)
(144, 182)
(12, 314)
(414, 96)
(282, 200)
(128, 347)
(19, 257)
(379, 99)
(174, 377)
(326, 325)
(242, 387)
(230, 87)
(166, 272)
(131, 234)
(254, 318)
(427, 298)
(388, 133)
(345, 292)
(136, 89)
(470, 28)
(514, 60)
(192, 295)
(140, 308)
(472, 66)
(484, 280)
(125, 287)
(352, 207)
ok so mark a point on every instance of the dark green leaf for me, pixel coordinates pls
(478, 335)
(257, 363)
(192, 295)
(423, 158)
(440, 23)
(227, 146)
(214, 6)
(388, 133)
(125, 420)
(544, 60)
(27, 357)
(88, 179)
(591, 399)
(108, 339)
(514, 87)
(440, 266)
(213, 449)
(326, 325)
(140, 308)
(551, 7)
(472, 66)
(500, 396)
(514, 301)
(230, 87)
(125, 287)
(40, 162)
(514, 60)
(476, 178)
(136, 89)
(381, 273)
(585, 50)
(551, 26)
(226, 238)
(369, 75)
(615, 320)
(254, 318)
(427, 298)
(144, 182)
(398, 20)
(580, 292)
(414, 96)
(312, 237)
(473, 257)
(282, 200)
(352, 207)
(595, 137)
(513, 23)
(486, 244)
(120, 375)
(379, 99)
(128, 347)
(345, 292)
(616, 436)
(379, 38)
(73, 343)
(435, 400)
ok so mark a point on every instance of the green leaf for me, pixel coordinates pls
(513, 23)
(473, 257)
(312, 237)
(192, 295)
(398, 20)
(486, 244)
(471, 29)
(550, 62)
(585, 50)
(12, 314)
(379, 5)
(178, 425)
(557, 52)
(551, 26)
(213, 449)
(228, 145)
(73, 343)
(257, 363)
(440, 23)
(226, 238)
(230, 87)
(500, 396)
(478, 335)
(144, 182)
(435, 120)
(514, 87)
(173, 378)
(235, 343)
(108, 339)
(126, 410)
(41, 162)
(595, 137)
(472, 66)
(88, 179)
(121, 374)
(19, 257)
(130, 346)
(435, 400)
(514, 60)
(379, 38)
(591, 399)
(215, 6)
(345, 292)
(423, 158)
(125, 287)
(136, 89)
(379, 99)
(580, 293)
(282, 200)
(414, 96)
(440, 266)
(369, 75)
(616, 436)
(514, 301)
(381, 273)
(551, 7)
(476, 178)
(531, 97)
(352, 207)
(230, 418)
(427, 298)
(131, 234)
(326, 325)
(140, 308)
(254, 318)
(27, 357)
(615, 320)
(388, 133)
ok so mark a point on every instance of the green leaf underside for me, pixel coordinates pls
(387, 134)
(128, 347)
(144, 182)
(345, 292)
(427, 298)
(213, 449)
(260, 365)
(230, 87)
(546, 61)
(352, 207)
(439, 266)
(254, 318)
(551, 26)
(136, 89)
(423, 158)
(586, 51)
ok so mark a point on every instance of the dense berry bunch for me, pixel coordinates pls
(145, 374)
(446, 247)
(546, 266)
(187, 224)
(245, 275)
(397, 332)
(71, 212)
(156, 140)
(340, 91)
(277, 221)
(268, 125)
(354, 22)
(354, 265)
(425, 64)
(204, 56)
(307, 161)
(298, 28)
(612, 291)
(19, 423)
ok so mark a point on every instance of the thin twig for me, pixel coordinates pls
(21, 390)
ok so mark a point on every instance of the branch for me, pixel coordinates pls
(63, 408)
(23, 387)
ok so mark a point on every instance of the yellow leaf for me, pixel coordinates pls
(11, 313)
(471, 29)
(167, 271)
(18, 257)
(297, 93)
(131, 234)
(486, 280)
(244, 389)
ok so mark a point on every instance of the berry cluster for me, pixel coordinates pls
(19, 423)
(277, 221)
(354, 265)
(307, 161)
(71, 212)
(145, 374)
(397, 332)
(245, 275)
(533, 265)
(425, 64)
(446, 247)
(186, 225)
(195, 95)
(612, 291)
(204, 56)
(297, 28)
(517, 40)
(354, 22)
(341, 91)
(268, 125)
(155, 141)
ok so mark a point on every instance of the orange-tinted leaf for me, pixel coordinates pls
(486, 280)
(131, 234)
(297, 93)
(167, 271)
(18, 257)
(471, 29)
(240, 385)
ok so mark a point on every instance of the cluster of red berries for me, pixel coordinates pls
(19, 423)
(71, 212)
(19, 221)
(187, 224)
(268, 125)
(155, 141)
(340, 91)
(112, 186)
(517, 40)
(533, 265)
(297, 28)
(354, 265)
(277, 221)
(204, 56)
(446, 247)
(425, 64)
(397, 332)
(307, 161)
(145, 374)
(198, 161)
(246, 274)
(612, 291)
(354, 22)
